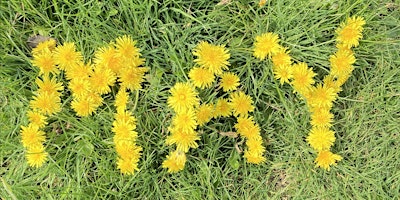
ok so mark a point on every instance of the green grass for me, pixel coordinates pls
(82, 157)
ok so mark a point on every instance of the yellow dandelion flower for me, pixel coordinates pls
(175, 161)
(266, 45)
(244, 123)
(326, 158)
(241, 103)
(45, 62)
(31, 135)
(250, 132)
(212, 57)
(349, 33)
(79, 71)
(281, 58)
(49, 86)
(126, 47)
(185, 120)
(48, 45)
(321, 96)
(254, 157)
(321, 118)
(46, 103)
(229, 81)
(331, 82)
(204, 113)
(183, 139)
(124, 124)
(36, 156)
(262, 3)
(79, 87)
(283, 73)
(183, 96)
(127, 166)
(222, 108)
(201, 77)
(342, 63)
(124, 132)
(121, 100)
(128, 150)
(321, 138)
(66, 56)
(254, 144)
(303, 78)
(84, 106)
(37, 119)
(126, 117)
(101, 80)
(132, 77)
(108, 57)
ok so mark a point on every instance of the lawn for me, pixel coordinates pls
(82, 162)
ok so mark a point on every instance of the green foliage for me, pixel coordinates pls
(82, 157)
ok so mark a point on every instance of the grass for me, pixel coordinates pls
(82, 161)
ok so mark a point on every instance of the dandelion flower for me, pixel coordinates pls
(342, 63)
(175, 161)
(49, 86)
(31, 135)
(36, 156)
(183, 139)
(46, 103)
(244, 123)
(255, 151)
(201, 77)
(183, 96)
(108, 57)
(327, 158)
(126, 47)
(79, 71)
(321, 138)
(254, 144)
(321, 96)
(37, 119)
(241, 103)
(303, 78)
(121, 100)
(222, 108)
(281, 58)
(262, 3)
(185, 120)
(331, 82)
(45, 62)
(204, 113)
(101, 80)
(125, 117)
(229, 81)
(66, 56)
(124, 132)
(251, 131)
(128, 150)
(212, 57)
(128, 166)
(283, 73)
(266, 45)
(84, 106)
(131, 77)
(349, 33)
(48, 45)
(79, 87)
(321, 118)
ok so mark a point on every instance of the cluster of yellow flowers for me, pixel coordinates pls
(47, 101)
(319, 97)
(118, 62)
(212, 62)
